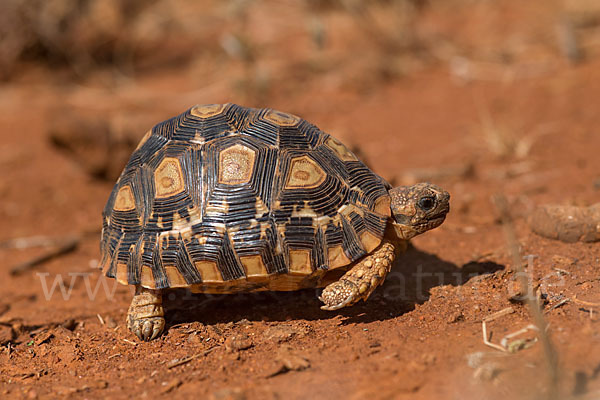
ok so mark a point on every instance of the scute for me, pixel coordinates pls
(223, 198)
(168, 178)
(236, 164)
(124, 200)
(304, 173)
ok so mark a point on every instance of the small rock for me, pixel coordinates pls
(237, 343)
(194, 338)
(515, 291)
(293, 361)
(228, 394)
(287, 360)
(43, 337)
(243, 321)
(455, 317)
(169, 386)
(279, 333)
(567, 223)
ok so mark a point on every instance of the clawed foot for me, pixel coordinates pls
(339, 294)
(360, 281)
(145, 317)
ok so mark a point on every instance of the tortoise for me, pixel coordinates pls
(225, 199)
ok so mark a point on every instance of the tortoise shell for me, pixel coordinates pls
(224, 198)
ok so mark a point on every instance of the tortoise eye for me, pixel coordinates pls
(426, 203)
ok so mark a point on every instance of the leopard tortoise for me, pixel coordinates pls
(224, 199)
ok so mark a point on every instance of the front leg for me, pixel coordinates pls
(360, 280)
(145, 317)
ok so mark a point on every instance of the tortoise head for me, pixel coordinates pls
(418, 208)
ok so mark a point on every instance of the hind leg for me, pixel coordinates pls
(145, 317)
(361, 280)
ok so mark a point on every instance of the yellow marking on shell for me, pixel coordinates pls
(147, 278)
(105, 264)
(338, 148)
(254, 266)
(234, 286)
(208, 271)
(382, 206)
(322, 221)
(208, 110)
(198, 138)
(263, 230)
(287, 282)
(281, 118)
(304, 173)
(186, 233)
(178, 222)
(261, 208)
(195, 214)
(125, 200)
(168, 178)
(280, 282)
(306, 211)
(236, 164)
(175, 277)
(217, 208)
(346, 209)
(369, 241)
(122, 274)
(144, 139)
(337, 257)
(300, 262)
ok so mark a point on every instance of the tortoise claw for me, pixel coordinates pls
(339, 294)
(148, 328)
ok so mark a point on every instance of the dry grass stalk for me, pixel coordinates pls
(550, 354)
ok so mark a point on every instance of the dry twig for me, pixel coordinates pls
(575, 300)
(68, 245)
(185, 360)
(489, 318)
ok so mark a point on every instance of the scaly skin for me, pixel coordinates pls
(145, 317)
(415, 209)
(362, 279)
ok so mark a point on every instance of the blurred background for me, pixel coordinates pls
(117, 67)
(479, 96)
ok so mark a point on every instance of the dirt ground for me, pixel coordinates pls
(482, 98)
